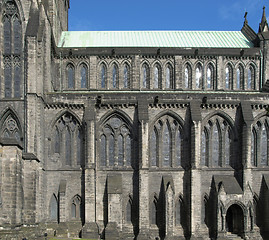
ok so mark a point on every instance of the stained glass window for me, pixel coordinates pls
(228, 76)
(145, 76)
(126, 80)
(169, 77)
(103, 76)
(215, 146)
(209, 77)
(103, 154)
(157, 76)
(153, 148)
(264, 145)
(53, 208)
(114, 76)
(166, 146)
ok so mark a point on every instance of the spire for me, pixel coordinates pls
(263, 25)
(246, 20)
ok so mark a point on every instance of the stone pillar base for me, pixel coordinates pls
(112, 232)
(90, 230)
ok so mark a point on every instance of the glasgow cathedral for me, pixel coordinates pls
(131, 134)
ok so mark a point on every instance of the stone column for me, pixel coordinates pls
(143, 169)
(195, 175)
(90, 229)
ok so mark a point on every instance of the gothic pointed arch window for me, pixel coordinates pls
(169, 77)
(187, 76)
(165, 142)
(12, 50)
(126, 76)
(216, 143)
(157, 76)
(209, 76)
(115, 143)
(145, 76)
(251, 78)
(70, 74)
(259, 150)
(10, 127)
(115, 76)
(240, 78)
(103, 76)
(83, 75)
(76, 208)
(198, 76)
(67, 141)
(228, 77)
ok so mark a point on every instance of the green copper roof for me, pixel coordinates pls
(181, 39)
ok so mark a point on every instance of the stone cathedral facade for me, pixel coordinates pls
(131, 135)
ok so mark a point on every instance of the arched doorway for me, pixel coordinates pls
(235, 220)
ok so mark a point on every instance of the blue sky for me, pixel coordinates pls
(105, 15)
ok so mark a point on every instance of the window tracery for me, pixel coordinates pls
(12, 52)
(115, 144)
(251, 78)
(166, 143)
(10, 129)
(209, 76)
(216, 143)
(259, 138)
(68, 140)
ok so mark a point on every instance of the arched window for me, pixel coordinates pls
(157, 76)
(103, 74)
(187, 76)
(70, 72)
(209, 76)
(166, 143)
(240, 78)
(67, 140)
(198, 76)
(126, 76)
(115, 143)
(10, 127)
(251, 78)
(115, 78)
(145, 76)
(83, 76)
(228, 77)
(76, 208)
(53, 208)
(169, 77)
(217, 139)
(12, 52)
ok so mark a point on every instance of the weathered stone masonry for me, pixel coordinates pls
(131, 141)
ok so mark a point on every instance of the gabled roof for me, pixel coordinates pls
(229, 183)
(178, 39)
